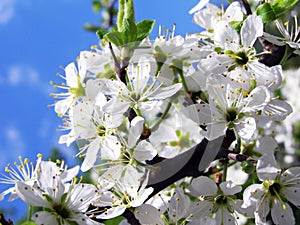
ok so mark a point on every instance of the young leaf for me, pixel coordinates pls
(129, 30)
(101, 33)
(267, 12)
(120, 17)
(144, 28)
(280, 6)
(29, 223)
(115, 37)
(97, 6)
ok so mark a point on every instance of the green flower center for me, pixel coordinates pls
(135, 96)
(221, 200)
(101, 131)
(79, 90)
(61, 210)
(241, 58)
(275, 189)
(231, 114)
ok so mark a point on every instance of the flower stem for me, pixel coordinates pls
(225, 167)
(238, 145)
(287, 54)
(29, 213)
(165, 113)
(184, 82)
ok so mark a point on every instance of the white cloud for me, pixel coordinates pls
(20, 75)
(13, 141)
(12, 144)
(14, 75)
(6, 10)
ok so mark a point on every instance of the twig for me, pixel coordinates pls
(247, 7)
(5, 222)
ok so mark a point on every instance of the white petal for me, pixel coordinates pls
(226, 36)
(234, 12)
(229, 188)
(30, 195)
(83, 219)
(263, 209)
(224, 217)
(215, 130)
(278, 109)
(164, 133)
(62, 106)
(264, 75)
(69, 174)
(280, 215)
(108, 179)
(71, 75)
(165, 92)
(245, 128)
(251, 196)
(81, 196)
(148, 214)
(43, 217)
(135, 131)
(84, 126)
(199, 6)
(94, 62)
(111, 148)
(100, 100)
(199, 113)
(116, 105)
(292, 194)
(91, 155)
(252, 29)
(141, 198)
(267, 167)
(257, 99)
(113, 121)
(266, 145)
(179, 205)
(144, 151)
(139, 75)
(215, 64)
(291, 176)
(203, 186)
(95, 86)
(112, 212)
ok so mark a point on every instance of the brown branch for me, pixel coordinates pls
(186, 164)
(274, 53)
(5, 222)
(247, 7)
(227, 154)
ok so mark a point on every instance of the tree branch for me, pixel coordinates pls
(5, 222)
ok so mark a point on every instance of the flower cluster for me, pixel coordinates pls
(162, 123)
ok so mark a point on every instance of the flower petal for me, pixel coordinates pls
(252, 29)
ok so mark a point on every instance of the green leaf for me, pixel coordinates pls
(248, 167)
(237, 25)
(120, 17)
(266, 12)
(130, 31)
(29, 223)
(101, 32)
(280, 6)
(144, 28)
(97, 6)
(115, 37)
(114, 221)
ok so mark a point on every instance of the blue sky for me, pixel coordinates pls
(36, 37)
